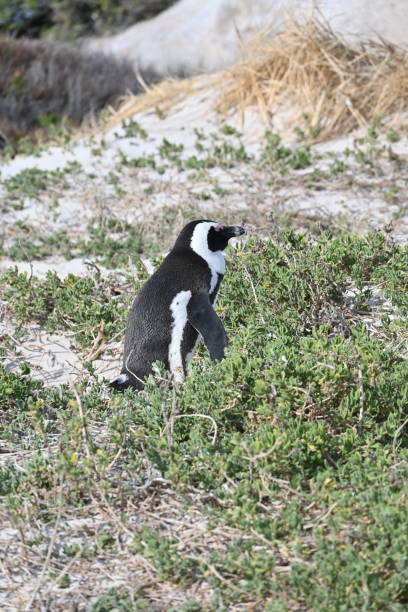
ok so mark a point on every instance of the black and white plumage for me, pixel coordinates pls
(175, 306)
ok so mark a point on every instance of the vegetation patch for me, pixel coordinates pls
(59, 19)
(33, 182)
(111, 242)
(273, 479)
(81, 305)
(70, 84)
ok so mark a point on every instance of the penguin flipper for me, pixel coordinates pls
(202, 316)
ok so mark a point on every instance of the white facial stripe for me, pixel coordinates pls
(214, 259)
(178, 309)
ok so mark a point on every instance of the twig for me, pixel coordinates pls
(95, 468)
(49, 551)
(284, 485)
(202, 416)
(92, 264)
(148, 266)
(217, 574)
(169, 427)
(130, 371)
(248, 276)
(153, 482)
(397, 433)
(83, 425)
(264, 455)
(322, 517)
(65, 569)
(98, 345)
(116, 457)
(6, 573)
(360, 386)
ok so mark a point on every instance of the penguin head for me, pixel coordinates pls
(203, 234)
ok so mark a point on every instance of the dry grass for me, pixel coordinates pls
(162, 96)
(340, 87)
(306, 67)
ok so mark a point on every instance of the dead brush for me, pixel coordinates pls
(309, 67)
(44, 81)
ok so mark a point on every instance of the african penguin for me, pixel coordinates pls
(175, 306)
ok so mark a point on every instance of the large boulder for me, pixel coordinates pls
(192, 37)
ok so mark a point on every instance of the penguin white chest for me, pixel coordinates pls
(178, 308)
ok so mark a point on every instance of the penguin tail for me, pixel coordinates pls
(124, 381)
(120, 383)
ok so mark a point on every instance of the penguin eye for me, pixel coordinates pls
(218, 228)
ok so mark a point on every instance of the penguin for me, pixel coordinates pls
(175, 307)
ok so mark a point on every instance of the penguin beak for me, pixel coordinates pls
(229, 231)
